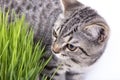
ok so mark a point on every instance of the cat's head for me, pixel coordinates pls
(79, 34)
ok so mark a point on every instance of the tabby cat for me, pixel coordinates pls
(74, 34)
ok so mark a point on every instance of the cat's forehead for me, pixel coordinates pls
(58, 21)
(77, 18)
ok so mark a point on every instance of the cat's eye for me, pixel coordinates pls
(54, 34)
(71, 47)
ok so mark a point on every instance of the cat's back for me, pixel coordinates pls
(41, 14)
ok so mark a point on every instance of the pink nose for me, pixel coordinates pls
(56, 48)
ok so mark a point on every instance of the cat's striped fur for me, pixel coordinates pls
(77, 39)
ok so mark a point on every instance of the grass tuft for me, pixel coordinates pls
(20, 59)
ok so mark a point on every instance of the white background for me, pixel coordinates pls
(108, 67)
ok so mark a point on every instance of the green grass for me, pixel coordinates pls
(20, 59)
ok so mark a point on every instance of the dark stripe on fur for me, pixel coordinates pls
(71, 73)
(68, 65)
(70, 38)
(83, 51)
(50, 67)
(74, 60)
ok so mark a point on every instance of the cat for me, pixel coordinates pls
(76, 35)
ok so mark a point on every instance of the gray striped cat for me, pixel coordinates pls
(74, 34)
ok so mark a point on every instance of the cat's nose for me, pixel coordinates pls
(56, 48)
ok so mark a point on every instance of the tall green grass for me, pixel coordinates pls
(20, 59)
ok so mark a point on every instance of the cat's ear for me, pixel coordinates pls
(69, 4)
(97, 32)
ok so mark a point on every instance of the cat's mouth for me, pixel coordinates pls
(60, 55)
